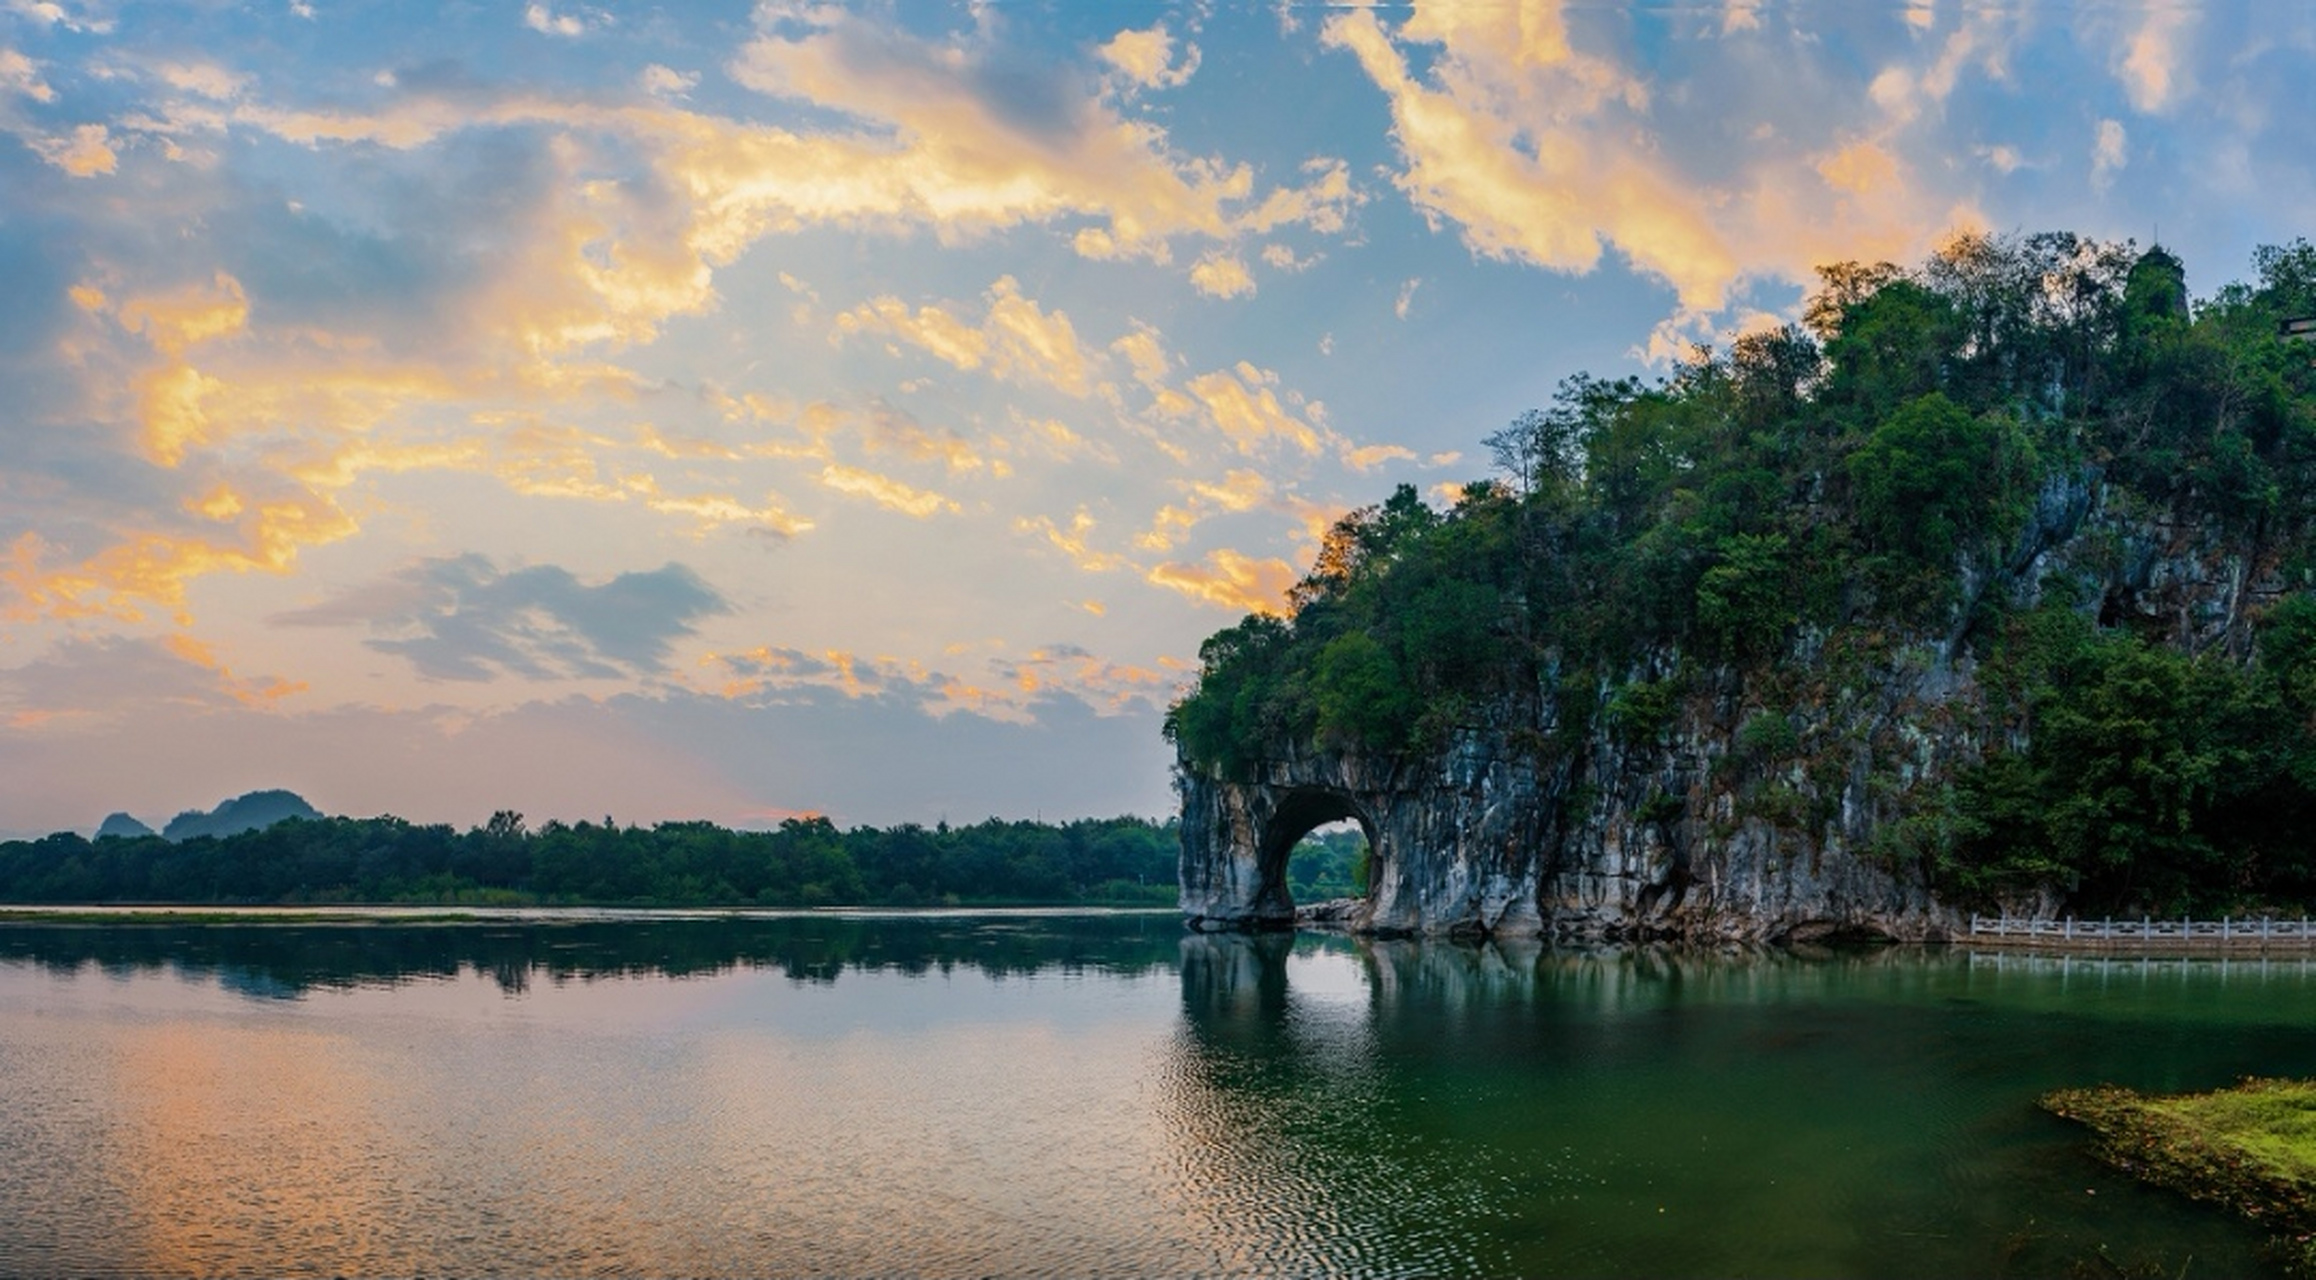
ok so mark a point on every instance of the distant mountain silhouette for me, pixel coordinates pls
(251, 812)
(124, 826)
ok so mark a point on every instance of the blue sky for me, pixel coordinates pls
(733, 412)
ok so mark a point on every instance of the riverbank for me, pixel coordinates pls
(2251, 1148)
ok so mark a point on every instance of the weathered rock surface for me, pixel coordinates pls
(1764, 808)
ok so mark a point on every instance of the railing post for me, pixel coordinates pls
(2069, 930)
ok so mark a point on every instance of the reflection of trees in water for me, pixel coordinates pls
(284, 961)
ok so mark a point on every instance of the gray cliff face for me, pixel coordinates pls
(1500, 834)
(1776, 808)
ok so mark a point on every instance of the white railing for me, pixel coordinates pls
(2257, 931)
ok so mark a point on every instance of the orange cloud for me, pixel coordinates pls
(1073, 541)
(1243, 404)
(885, 491)
(1239, 490)
(1229, 580)
(264, 536)
(260, 692)
(1016, 339)
(192, 314)
(1536, 151)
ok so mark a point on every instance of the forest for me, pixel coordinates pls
(804, 862)
(1821, 499)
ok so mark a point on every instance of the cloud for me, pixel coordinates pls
(962, 137)
(2110, 151)
(570, 24)
(667, 82)
(463, 618)
(2002, 158)
(1406, 298)
(97, 680)
(1012, 691)
(206, 79)
(1535, 151)
(308, 356)
(1369, 457)
(1221, 275)
(1243, 404)
(1146, 58)
(886, 492)
(21, 76)
(1074, 542)
(1228, 579)
(2150, 63)
(84, 153)
(1014, 339)
(1238, 490)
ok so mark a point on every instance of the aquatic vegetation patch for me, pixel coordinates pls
(2251, 1148)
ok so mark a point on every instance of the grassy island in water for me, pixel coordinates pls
(2251, 1148)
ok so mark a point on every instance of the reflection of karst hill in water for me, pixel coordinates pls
(1336, 1102)
(283, 961)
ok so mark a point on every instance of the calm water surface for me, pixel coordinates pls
(1030, 1094)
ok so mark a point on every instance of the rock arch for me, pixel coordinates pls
(1451, 841)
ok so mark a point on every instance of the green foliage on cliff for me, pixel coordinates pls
(1859, 479)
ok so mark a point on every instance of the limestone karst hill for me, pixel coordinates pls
(1990, 584)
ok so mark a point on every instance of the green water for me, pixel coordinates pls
(1040, 1094)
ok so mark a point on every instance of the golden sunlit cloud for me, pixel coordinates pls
(261, 692)
(187, 315)
(1369, 457)
(1230, 580)
(1239, 490)
(1221, 275)
(885, 491)
(1535, 151)
(1146, 58)
(1244, 405)
(260, 536)
(1073, 541)
(943, 155)
(1016, 339)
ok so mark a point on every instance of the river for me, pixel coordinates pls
(1031, 1093)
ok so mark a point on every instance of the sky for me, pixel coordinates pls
(712, 411)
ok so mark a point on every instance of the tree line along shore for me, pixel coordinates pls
(803, 862)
